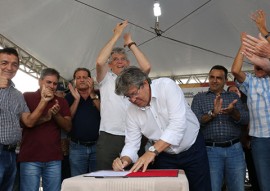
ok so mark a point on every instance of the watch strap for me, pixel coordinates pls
(266, 36)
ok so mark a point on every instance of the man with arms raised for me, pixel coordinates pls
(110, 62)
(256, 87)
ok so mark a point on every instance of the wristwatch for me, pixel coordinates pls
(210, 113)
(96, 97)
(153, 150)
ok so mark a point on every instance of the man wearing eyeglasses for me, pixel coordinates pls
(160, 112)
(110, 63)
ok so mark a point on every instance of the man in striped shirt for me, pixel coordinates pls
(257, 88)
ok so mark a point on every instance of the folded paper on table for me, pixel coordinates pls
(123, 174)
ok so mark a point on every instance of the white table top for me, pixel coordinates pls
(81, 183)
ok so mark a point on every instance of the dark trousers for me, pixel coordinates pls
(193, 161)
(108, 148)
(251, 170)
(65, 168)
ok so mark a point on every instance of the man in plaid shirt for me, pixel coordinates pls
(221, 115)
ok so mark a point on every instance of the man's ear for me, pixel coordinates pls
(145, 82)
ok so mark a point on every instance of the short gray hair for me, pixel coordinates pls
(130, 76)
(117, 50)
(49, 72)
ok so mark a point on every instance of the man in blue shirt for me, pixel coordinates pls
(221, 115)
(84, 106)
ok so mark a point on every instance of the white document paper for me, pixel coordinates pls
(108, 173)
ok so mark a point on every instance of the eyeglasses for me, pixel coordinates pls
(118, 59)
(134, 94)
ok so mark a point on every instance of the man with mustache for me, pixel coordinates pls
(84, 105)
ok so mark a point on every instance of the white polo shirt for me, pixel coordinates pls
(113, 108)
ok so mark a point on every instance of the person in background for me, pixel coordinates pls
(221, 115)
(257, 50)
(160, 112)
(245, 140)
(40, 152)
(256, 87)
(84, 104)
(65, 167)
(110, 62)
(13, 109)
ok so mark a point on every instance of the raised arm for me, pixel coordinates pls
(259, 46)
(140, 57)
(259, 18)
(238, 63)
(101, 62)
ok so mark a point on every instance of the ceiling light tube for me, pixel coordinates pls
(157, 10)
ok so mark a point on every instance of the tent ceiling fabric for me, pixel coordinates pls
(66, 34)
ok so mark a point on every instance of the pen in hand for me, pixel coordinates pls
(123, 168)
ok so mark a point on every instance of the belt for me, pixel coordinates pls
(84, 143)
(222, 144)
(10, 148)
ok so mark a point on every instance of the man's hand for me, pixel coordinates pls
(74, 92)
(229, 109)
(261, 62)
(118, 30)
(46, 94)
(55, 108)
(120, 164)
(3, 82)
(143, 162)
(217, 105)
(260, 19)
(90, 83)
(259, 46)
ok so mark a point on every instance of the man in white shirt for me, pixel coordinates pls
(110, 62)
(160, 112)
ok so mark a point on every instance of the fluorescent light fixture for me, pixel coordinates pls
(157, 10)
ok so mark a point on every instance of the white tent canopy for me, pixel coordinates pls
(66, 34)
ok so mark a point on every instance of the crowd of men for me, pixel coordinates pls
(85, 129)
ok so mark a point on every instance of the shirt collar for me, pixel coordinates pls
(209, 91)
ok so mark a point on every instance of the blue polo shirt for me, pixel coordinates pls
(86, 121)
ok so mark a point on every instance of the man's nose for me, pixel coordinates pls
(132, 99)
(9, 66)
